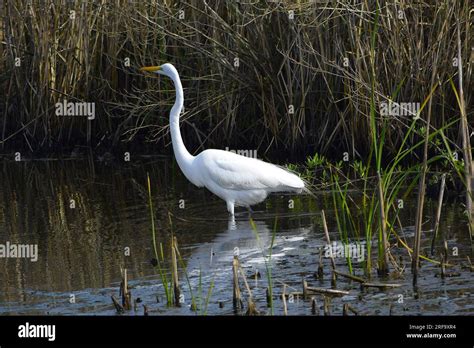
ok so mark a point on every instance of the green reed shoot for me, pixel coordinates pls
(164, 280)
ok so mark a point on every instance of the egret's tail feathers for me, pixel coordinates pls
(308, 191)
(301, 185)
(307, 188)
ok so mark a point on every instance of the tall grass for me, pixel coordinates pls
(330, 63)
(171, 286)
(380, 187)
(159, 257)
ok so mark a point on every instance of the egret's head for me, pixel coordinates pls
(165, 69)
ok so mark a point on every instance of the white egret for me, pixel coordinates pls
(238, 180)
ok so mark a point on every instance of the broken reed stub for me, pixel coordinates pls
(236, 295)
(327, 305)
(348, 308)
(307, 290)
(314, 306)
(350, 276)
(174, 267)
(117, 305)
(283, 298)
(126, 294)
(380, 285)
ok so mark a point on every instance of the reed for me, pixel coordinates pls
(174, 272)
(438, 212)
(267, 256)
(171, 286)
(236, 296)
(342, 66)
(466, 136)
(377, 211)
(158, 256)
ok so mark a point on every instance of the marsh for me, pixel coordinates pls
(82, 249)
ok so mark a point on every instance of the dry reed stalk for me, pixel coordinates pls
(283, 299)
(314, 306)
(236, 298)
(126, 294)
(327, 305)
(350, 276)
(383, 263)
(328, 240)
(310, 290)
(320, 272)
(380, 285)
(466, 137)
(174, 270)
(84, 59)
(118, 307)
(422, 184)
(252, 308)
(438, 211)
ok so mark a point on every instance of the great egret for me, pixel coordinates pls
(238, 180)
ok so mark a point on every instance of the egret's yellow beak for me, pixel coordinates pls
(151, 68)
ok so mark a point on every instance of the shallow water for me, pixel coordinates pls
(81, 249)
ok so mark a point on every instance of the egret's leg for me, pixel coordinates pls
(231, 225)
(230, 207)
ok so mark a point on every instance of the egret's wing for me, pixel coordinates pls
(235, 172)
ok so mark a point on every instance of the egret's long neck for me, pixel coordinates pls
(183, 157)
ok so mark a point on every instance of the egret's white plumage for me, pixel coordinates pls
(238, 180)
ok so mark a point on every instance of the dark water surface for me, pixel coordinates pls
(81, 250)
